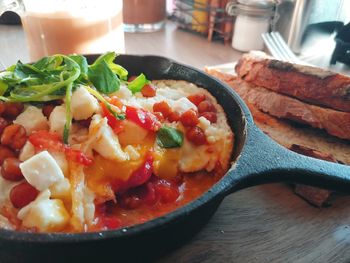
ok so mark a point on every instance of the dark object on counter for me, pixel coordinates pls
(257, 160)
(341, 52)
(10, 18)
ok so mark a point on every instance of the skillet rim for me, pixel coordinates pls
(219, 189)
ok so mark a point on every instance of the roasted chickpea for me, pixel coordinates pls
(47, 109)
(5, 152)
(22, 194)
(14, 136)
(3, 124)
(10, 169)
(12, 109)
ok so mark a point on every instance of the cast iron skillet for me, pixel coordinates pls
(257, 160)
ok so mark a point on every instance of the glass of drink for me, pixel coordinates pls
(67, 27)
(144, 15)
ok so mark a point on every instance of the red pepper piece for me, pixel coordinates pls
(45, 140)
(143, 118)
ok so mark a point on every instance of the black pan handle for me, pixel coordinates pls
(264, 161)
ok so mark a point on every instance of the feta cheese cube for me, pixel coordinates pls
(46, 214)
(32, 119)
(61, 160)
(61, 189)
(132, 133)
(27, 151)
(182, 105)
(57, 119)
(83, 104)
(106, 142)
(41, 171)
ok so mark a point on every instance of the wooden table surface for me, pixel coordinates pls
(261, 224)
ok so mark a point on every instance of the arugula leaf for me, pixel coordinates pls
(109, 57)
(168, 137)
(68, 123)
(82, 62)
(48, 63)
(103, 78)
(137, 84)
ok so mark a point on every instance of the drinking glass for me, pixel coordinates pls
(69, 26)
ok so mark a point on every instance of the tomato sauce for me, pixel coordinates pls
(190, 187)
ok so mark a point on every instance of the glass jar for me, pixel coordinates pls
(253, 17)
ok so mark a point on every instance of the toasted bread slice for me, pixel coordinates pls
(309, 84)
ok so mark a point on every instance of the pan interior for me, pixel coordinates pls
(157, 68)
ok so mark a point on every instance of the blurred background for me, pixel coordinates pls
(317, 31)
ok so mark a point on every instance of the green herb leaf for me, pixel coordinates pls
(168, 137)
(137, 84)
(82, 62)
(68, 113)
(103, 78)
(109, 57)
(49, 63)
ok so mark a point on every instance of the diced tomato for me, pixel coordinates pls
(196, 98)
(116, 125)
(148, 90)
(167, 191)
(210, 116)
(189, 118)
(159, 116)
(141, 175)
(206, 106)
(196, 135)
(143, 118)
(162, 107)
(174, 116)
(22, 194)
(78, 157)
(45, 140)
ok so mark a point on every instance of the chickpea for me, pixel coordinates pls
(22, 194)
(10, 169)
(12, 109)
(5, 152)
(47, 109)
(3, 124)
(14, 136)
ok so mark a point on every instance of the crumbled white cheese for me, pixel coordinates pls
(123, 93)
(44, 213)
(182, 105)
(132, 133)
(83, 104)
(61, 160)
(61, 189)
(106, 142)
(132, 152)
(41, 171)
(27, 151)
(32, 119)
(57, 119)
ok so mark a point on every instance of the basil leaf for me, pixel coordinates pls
(137, 84)
(103, 78)
(168, 137)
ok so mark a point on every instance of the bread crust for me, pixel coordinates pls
(309, 84)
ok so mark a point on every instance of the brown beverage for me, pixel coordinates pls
(62, 32)
(141, 12)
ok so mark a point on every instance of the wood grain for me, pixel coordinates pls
(261, 224)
